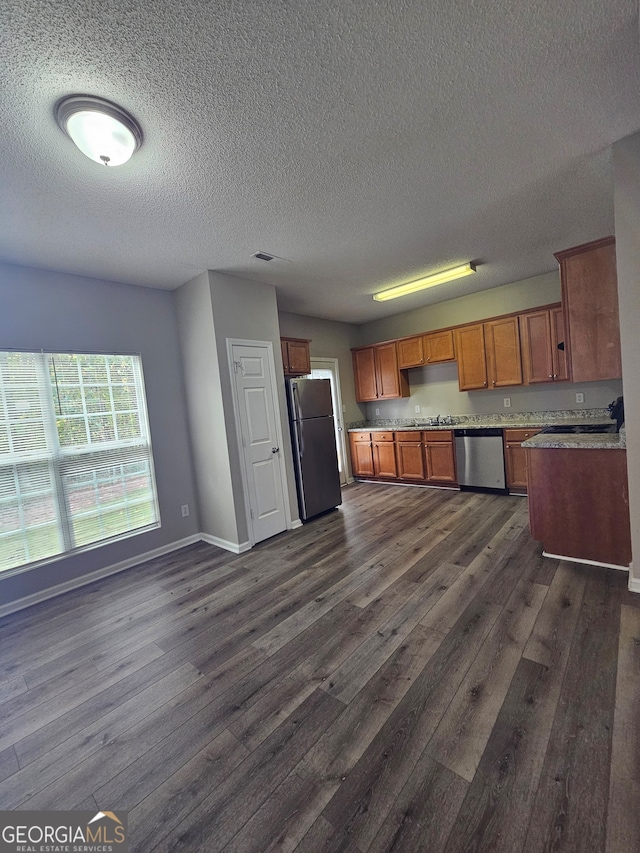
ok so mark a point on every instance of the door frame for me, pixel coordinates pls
(268, 345)
(321, 362)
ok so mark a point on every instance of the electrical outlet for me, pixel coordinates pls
(417, 410)
(507, 402)
(579, 397)
(377, 411)
(184, 509)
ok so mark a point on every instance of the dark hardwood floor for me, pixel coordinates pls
(405, 674)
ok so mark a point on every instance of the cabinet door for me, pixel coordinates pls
(502, 342)
(285, 356)
(590, 300)
(410, 459)
(299, 358)
(361, 457)
(558, 335)
(364, 370)
(439, 346)
(441, 461)
(410, 352)
(536, 339)
(472, 364)
(384, 459)
(387, 373)
(516, 466)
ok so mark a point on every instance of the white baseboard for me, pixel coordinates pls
(295, 524)
(234, 547)
(587, 562)
(113, 569)
(634, 584)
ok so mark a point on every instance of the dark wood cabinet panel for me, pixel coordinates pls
(578, 503)
(410, 459)
(441, 461)
(472, 363)
(540, 333)
(439, 346)
(410, 352)
(361, 454)
(384, 459)
(558, 335)
(502, 344)
(590, 300)
(515, 457)
(377, 375)
(364, 370)
(296, 359)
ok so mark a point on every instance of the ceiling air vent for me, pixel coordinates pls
(262, 256)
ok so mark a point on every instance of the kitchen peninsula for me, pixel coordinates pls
(578, 497)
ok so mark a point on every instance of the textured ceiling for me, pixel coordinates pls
(366, 143)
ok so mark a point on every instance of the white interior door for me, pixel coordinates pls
(327, 368)
(260, 434)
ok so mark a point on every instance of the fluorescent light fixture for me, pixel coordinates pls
(427, 281)
(102, 130)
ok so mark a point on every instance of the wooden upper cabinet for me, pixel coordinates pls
(296, 359)
(540, 333)
(472, 363)
(502, 344)
(410, 352)
(364, 370)
(377, 375)
(439, 346)
(558, 336)
(590, 301)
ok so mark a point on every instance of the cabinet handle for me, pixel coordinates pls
(484, 384)
(555, 375)
(494, 383)
(551, 376)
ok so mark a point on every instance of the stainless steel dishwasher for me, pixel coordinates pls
(480, 458)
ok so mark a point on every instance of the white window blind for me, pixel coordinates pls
(75, 456)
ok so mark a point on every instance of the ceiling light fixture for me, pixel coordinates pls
(427, 281)
(101, 130)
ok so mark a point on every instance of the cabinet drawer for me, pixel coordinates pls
(409, 435)
(519, 435)
(438, 435)
(361, 436)
(382, 436)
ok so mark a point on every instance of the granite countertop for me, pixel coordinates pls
(522, 420)
(597, 441)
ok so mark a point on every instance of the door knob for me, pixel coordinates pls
(275, 449)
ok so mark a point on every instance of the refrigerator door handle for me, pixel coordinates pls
(294, 400)
(299, 434)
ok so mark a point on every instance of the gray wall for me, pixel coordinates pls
(626, 159)
(205, 407)
(55, 311)
(247, 310)
(435, 387)
(329, 339)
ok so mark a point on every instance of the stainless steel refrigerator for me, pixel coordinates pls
(314, 445)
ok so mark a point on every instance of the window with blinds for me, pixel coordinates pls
(75, 457)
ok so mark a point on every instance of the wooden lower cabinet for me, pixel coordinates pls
(515, 458)
(361, 454)
(441, 457)
(579, 503)
(384, 455)
(408, 456)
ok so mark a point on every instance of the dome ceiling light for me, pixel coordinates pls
(102, 130)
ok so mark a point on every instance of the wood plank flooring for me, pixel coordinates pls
(405, 674)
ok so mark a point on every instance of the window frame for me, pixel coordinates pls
(56, 462)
